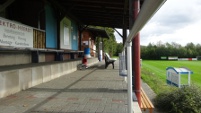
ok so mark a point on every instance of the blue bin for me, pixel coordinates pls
(87, 52)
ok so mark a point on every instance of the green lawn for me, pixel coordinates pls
(154, 72)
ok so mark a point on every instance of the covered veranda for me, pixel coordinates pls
(93, 90)
(125, 14)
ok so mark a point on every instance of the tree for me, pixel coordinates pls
(155, 51)
(198, 49)
(191, 50)
(109, 45)
(119, 49)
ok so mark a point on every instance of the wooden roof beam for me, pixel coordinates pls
(6, 4)
(56, 4)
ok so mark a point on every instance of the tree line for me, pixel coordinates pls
(152, 51)
(158, 50)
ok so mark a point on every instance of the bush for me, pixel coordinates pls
(180, 100)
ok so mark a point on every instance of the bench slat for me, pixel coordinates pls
(145, 102)
(143, 105)
(144, 99)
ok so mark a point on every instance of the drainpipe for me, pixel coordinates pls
(136, 55)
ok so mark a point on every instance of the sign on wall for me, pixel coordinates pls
(15, 34)
(66, 35)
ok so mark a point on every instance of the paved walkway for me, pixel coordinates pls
(94, 90)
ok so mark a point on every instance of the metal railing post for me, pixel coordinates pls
(129, 67)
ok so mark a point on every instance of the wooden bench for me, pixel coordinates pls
(145, 102)
(109, 60)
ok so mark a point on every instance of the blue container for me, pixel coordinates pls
(87, 52)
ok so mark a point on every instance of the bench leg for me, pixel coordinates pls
(106, 65)
(151, 110)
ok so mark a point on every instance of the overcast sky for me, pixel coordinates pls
(177, 21)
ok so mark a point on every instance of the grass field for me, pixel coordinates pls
(154, 72)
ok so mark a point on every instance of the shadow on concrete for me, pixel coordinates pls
(56, 94)
(91, 69)
(83, 90)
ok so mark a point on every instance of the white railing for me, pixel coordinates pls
(149, 8)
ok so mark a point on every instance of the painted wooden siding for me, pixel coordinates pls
(51, 28)
(74, 36)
